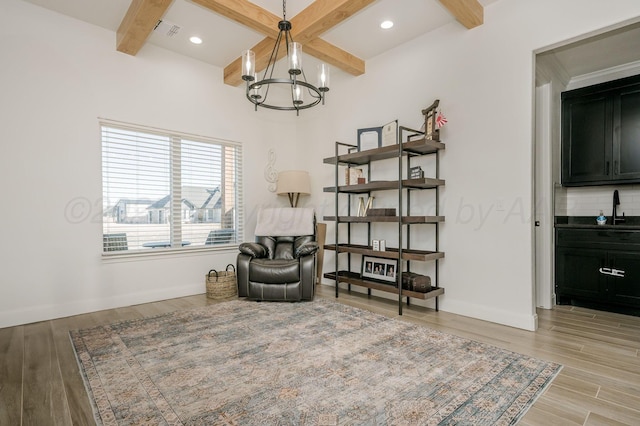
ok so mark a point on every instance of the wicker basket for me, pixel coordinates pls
(222, 284)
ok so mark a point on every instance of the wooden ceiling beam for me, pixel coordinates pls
(322, 15)
(138, 23)
(335, 56)
(317, 18)
(246, 13)
(469, 13)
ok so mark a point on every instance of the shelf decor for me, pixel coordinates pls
(378, 268)
(363, 206)
(416, 172)
(390, 133)
(431, 129)
(351, 175)
(369, 138)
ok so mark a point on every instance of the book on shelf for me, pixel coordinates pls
(351, 175)
(381, 212)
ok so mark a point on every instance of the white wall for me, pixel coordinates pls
(484, 78)
(58, 75)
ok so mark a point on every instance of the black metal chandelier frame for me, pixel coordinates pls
(317, 94)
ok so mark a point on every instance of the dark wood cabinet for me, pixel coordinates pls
(598, 266)
(601, 134)
(624, 291)
(626, 131)
(577, 273)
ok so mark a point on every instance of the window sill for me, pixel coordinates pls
(166, 252)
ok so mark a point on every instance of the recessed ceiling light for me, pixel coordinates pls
(385, 25)
(195, 40)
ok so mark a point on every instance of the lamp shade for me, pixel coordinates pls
(294, 182)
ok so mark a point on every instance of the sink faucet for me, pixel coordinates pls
(616, 202)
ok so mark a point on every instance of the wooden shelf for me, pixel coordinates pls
(402, 153)
(354, 278)
(381, 185)
(389, 253)
(417, 147)
(387, 219)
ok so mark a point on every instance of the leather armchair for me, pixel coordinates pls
(278, 268)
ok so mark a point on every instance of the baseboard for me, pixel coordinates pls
(61, 310)
(508, 318)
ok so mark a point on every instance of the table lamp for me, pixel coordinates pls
(293, 183)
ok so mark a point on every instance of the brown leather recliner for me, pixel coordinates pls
(279, 268)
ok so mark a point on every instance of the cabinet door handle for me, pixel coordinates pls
(613, 272)
(605, 271)
(606, 168)
(617, 272)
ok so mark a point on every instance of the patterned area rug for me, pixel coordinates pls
(315, 363)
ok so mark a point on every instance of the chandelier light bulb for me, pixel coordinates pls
(256, 92)
(248, 65)
(297, 95)
(324, 77)
(295, 58)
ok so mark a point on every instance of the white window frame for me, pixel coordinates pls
(231, 159)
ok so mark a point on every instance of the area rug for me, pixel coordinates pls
(314, 363)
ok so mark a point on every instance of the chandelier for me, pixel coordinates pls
(296, 84)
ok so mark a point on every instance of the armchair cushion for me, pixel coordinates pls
(306, 249)
(253, 249)
(278, 271)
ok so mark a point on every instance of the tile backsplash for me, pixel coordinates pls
(589, 200)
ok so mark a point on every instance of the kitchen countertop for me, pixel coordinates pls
(589, 222)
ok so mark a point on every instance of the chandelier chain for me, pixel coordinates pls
(284, 10)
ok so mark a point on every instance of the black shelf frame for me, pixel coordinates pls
(409, 149)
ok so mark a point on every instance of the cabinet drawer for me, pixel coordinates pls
(599, 238)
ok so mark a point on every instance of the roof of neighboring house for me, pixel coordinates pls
(214, 200)
(201, 197)
(194, 197)
(161, 203)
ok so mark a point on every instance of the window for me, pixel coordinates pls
(167, 190)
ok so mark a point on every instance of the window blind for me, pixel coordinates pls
(165, 190)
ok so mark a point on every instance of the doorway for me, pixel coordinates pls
(594, 58)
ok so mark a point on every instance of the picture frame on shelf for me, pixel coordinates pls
(390, 133)
(377, 268)
(369, 138)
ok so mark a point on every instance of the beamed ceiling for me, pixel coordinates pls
(307, 28)
(342, 33)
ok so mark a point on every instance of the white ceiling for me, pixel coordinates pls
(360, 35)
(603, 51)
(224, 39)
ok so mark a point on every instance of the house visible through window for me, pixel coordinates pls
(167, 190)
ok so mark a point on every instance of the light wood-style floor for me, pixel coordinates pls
(599, 384)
